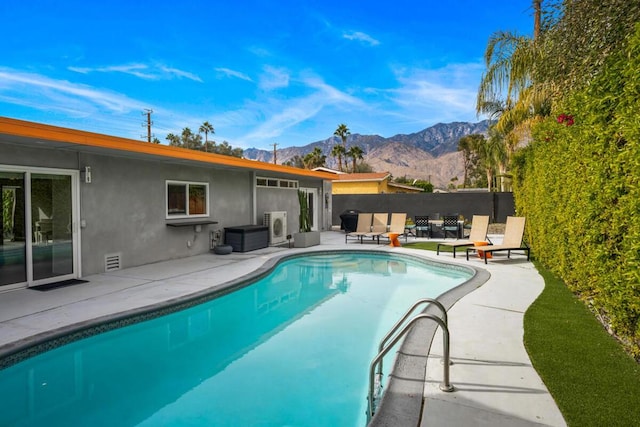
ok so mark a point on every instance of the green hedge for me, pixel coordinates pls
(578, 184)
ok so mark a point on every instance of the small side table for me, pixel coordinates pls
(481, 253)
(393, 239)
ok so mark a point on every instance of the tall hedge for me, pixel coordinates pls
(578, 184)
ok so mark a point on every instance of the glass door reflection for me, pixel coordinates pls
(51, 222)
(13, 262)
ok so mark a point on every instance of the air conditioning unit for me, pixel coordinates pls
(277, 223)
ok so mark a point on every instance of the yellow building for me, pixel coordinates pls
(369, 183)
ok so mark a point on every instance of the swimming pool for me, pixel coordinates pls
(291, 349)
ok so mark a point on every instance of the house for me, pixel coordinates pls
(76, 203)
(369, 183)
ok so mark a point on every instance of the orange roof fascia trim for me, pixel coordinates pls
(77, 137)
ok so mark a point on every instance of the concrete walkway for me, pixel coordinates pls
(494, 381)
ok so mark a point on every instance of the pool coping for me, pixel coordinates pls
(402, 402)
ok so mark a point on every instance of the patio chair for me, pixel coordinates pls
(423, 225)
(512, 241)
(450, 225)
(378, 227)
(363, 227)
(397, 226)
(478, 233)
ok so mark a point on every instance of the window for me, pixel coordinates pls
(187, 199)
(276, 183)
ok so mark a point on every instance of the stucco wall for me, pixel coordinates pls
(37, 157)
(366, 187)
(124, 209)
(285, 199)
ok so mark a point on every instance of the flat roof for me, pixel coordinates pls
(32, 134)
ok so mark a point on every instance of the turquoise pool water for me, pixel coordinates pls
(292, 349)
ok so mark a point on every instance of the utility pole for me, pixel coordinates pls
(274, 152)
(147, 112)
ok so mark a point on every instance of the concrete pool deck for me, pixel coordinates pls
(495, 383)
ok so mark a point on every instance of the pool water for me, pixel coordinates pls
(292, 349)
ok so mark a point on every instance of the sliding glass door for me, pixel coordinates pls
(13, 247)
(39, 244)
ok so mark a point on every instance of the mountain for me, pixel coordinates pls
(431, 154)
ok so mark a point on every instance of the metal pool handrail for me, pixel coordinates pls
(375, 380)
(395, 327)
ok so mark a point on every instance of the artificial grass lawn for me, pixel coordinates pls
(593, 381)
(591, 378)
(431, 246)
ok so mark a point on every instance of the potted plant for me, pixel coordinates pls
(305, 237)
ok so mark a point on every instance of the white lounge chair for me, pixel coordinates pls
(397, 225)
(362, 228)
(478, 233)
(379, 226)
(512, 241)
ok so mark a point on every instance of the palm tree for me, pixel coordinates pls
(338, 151)
(498, 150)
(509, 91)
(206, 128)
(468, 145)
(174, 140)
(509, 59)
(190, 140)
(491, 154)
(537, 18)
(342, 131)
(315, 159)
(296, 161)
(356, 153)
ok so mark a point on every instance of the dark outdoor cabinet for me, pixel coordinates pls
(244, 238)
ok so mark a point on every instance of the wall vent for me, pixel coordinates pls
(112, 262)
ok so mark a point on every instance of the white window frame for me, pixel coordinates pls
(283, 184)
(186, 184)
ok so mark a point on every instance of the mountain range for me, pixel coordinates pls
(431, 154)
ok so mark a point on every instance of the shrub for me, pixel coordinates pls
(578, 184)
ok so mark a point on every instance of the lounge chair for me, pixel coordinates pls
(379, 226)
(397, 225)
(512, 241)
(362, 228)
(478, 233)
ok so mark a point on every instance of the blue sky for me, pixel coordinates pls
(261, 72)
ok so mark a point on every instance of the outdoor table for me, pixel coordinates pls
(438, 223)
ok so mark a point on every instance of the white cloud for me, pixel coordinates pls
(179, 73)
(274, 78)
(61, 94)
(438, 94)
(278, 117)
(143, 71)
(232, 73)
(361, 37)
